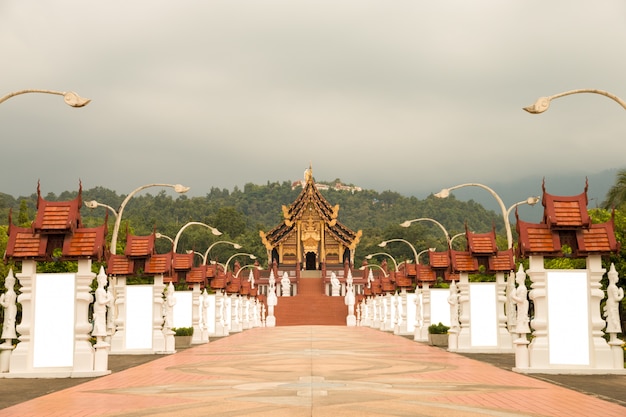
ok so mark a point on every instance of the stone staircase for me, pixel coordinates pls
(311, 306)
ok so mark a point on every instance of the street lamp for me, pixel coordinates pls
(206, 254)
(395, 264)
(71, 99)
(444, 193)
(454, 237)
(116, 228)
(375, 266)
(531, 201)
(180, 232)
(94, 204)
(424, 251)
(407, 223)
(543, 103)
(384, 243)
(249, 255)
(247, 266)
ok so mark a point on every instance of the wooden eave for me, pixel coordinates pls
(57, 217)
(85, 243)
(119, 265)
(197, 275)
(502, 261)
(24, 244)
(425, 273)
(537, 239)
(565, 212)
(598, 239)
(139, 246)
(439, 260)
(463, 261)
(481, 243)
(182, 261)
(160, 263)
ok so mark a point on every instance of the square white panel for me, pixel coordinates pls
(568, 317)
(53, 326)
(483, 314)
(139, 317)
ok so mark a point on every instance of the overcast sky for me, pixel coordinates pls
(403, 95)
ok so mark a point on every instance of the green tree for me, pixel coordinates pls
(616, 196)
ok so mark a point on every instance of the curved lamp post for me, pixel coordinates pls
(543, 103)
(375, 266)
(71, 99)
(249, 255)
(206, 254)
(444, 193)
(180, 232)
(531, 201)
(116, 228)
(395, 264)
(424, 251)
(247, 266)
(162, 236)
(454, 237)
(407, 223)
(94, 204)
(384, 243)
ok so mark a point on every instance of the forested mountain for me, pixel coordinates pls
(240, 214)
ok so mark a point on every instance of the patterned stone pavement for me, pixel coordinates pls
(315, 371)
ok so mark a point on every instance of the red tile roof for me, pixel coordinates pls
(159, 264)
(85, 243)
(139, 246)
(463, 262)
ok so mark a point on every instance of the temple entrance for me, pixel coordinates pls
(311, 261)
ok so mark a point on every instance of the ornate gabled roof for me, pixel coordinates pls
(566, 222)
(598, 239)
(310, 198)
(57, 217)
(463, 261)
(56, 231)
(537, 239)
(502, 261)
(566, 212)
(182, 261)
(160, 263)
(439, 260)
(481, 243)
(425, 273)
(119, 265)
(24, 244)
(197, 275)
(139, 246)
(85, 243)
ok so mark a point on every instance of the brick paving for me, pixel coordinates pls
(315, 371)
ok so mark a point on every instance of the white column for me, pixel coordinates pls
(464, 340)
(196, 304)
(158, 337)
(22, 357)
(84, 354)
(118, 340)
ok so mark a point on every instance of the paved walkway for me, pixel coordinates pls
(315, 371)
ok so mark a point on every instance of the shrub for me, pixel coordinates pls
(183, 331)
(439, 328)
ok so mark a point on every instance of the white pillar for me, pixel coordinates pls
(22, 357)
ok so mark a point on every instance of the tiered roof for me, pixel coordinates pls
(57, 226)
(566, 222)
(296, 211)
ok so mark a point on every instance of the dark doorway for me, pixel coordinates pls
(310, 261)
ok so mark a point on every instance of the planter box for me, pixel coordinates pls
(440, 340)
(181, 342)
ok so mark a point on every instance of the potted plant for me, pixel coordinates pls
(438, 334)
(182, 337)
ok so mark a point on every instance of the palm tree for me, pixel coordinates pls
(616, 196)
